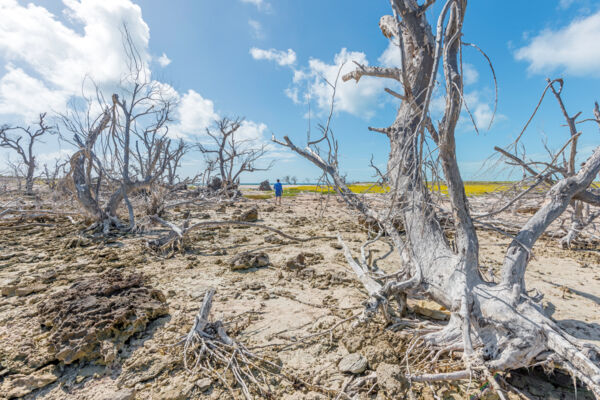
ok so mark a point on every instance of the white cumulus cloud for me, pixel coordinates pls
(164, 60)
(194, 115)
(26, 96)
(572, 49)
(391, 57)
(481, 110)
(357, 99)
(281, 57)
(55, 58)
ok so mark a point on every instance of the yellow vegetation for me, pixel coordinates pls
(471, 188)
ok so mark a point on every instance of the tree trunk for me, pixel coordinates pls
(29, 177)
(497, 326)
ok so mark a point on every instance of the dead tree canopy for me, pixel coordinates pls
(174, 156)
(24, 148)
(52, 174)
(231, 155)
(496, 326)
(559, 165)
(125, 149)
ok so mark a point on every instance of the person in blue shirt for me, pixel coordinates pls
(278, 192)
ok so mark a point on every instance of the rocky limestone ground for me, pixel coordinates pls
(90, 318)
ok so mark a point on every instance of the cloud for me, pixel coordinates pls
(194, 115)
(572, 49)
(53, 59)
(470, 74)
(47, 61)
(251, 131)
(564, 4)
(53, 156)
(26, 96)
(480, 105)
(48, 54)
(391, 57)
(163, 60)
(356, 99)
(257, 29)
(481, 111)
(261, 5)
(281, 57)
(257, 3)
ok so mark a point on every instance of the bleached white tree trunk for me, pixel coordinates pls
(497, 326)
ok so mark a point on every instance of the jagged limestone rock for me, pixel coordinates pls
(93, 318)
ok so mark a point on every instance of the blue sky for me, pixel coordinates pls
(260, 58)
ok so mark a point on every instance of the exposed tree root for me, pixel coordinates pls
(209, 349)
(492, 334)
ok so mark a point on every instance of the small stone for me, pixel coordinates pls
(297, 262)
(336, 245)
(249, 260)
(354, 363)
(250, 215)
(203, 384)
(215, 184)
(428, 312)
(265, 186)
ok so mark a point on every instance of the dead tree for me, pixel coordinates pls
(496, 326)
(289, 180)
(559, 164)
(175, 154)
(16, 169)
(231, 155)
(25, 150)
(126, 147)
(53, 174)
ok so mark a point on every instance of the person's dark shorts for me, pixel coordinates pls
(278, 194)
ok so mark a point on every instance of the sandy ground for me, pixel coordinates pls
(268, 305)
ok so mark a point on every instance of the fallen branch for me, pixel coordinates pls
(174, 241)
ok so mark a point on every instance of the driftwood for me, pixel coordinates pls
(174, 240)
(209, 350)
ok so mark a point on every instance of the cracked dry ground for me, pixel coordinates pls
(84, 318)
